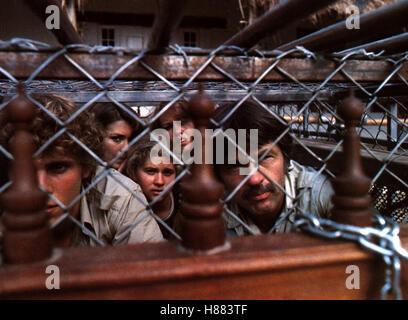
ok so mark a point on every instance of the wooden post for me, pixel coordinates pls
(168, 17)
(351, 199)
(66, 34)
(203, 228)
(27, 236)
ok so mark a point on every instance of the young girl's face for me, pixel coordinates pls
(154, 176)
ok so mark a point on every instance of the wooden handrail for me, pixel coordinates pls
(281, 266)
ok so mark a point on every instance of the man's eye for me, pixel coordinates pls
(150, 171)
(168, 173)
(268, 157)
(236, 166)
(117, 139)
(58, 168)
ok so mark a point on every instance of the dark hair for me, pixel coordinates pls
(250, 115)
(179, 107)
(139, 153)
(107, 113)
(43, 127)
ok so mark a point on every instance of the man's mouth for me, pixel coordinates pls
(259, 196)
(260, 193)
(262, 196)
(51, 209)
(156, 192)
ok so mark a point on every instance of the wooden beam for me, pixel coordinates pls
(281, 266)
(379, 22)
(371, 165)
(280, 16)
(167, 95)
(394, 44)
(102, 66)
(66, 34)
(168, 17)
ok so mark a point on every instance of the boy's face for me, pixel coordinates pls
(61, 176)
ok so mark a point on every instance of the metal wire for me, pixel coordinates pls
(311, 120)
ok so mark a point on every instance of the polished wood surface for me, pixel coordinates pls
(203, 227)
(281, 266)
(351, 200)
(27, 237)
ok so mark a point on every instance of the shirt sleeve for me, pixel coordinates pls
(324, 201)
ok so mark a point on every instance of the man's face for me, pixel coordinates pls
(258, 196)
(61, 176)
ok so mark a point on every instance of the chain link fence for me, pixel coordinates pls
(309, 108)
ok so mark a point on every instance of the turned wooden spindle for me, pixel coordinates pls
(202, 226)
(27, 236)
(351, 199)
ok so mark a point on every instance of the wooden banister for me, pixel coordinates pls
(27, 236)
(351, 200)
(203, 227)
(281, 266)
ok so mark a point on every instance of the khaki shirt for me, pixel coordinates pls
(109, 210)
(307, 191)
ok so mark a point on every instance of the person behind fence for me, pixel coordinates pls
(275, 190)
(178, 123)
(118, 129)
(64, 169)
(154, 175)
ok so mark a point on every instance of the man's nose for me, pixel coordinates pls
(256, 178)
(43, 181)
(159, 179)
(124, 143)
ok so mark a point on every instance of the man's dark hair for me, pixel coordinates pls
(107, 112)
(251, 115)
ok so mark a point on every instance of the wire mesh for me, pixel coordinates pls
(309, 109)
